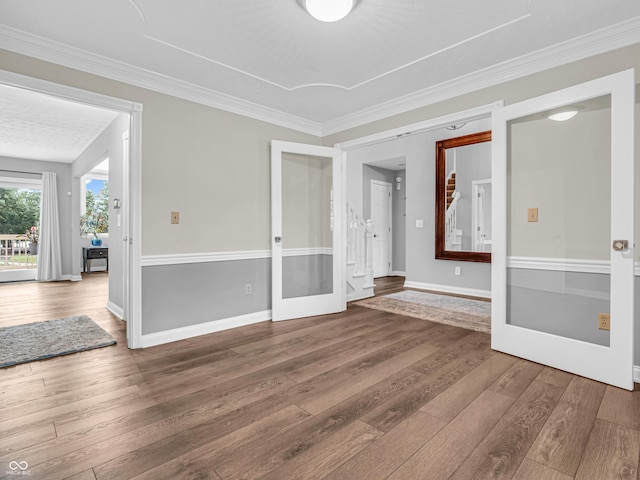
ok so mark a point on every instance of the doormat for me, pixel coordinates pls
(459, 312)
(40, 340)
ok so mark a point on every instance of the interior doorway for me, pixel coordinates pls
(381, 216)
(125, 221)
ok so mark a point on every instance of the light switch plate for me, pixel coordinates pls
(175, 218)
(419, 223)
(532, 215)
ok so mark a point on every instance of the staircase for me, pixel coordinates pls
(453, 235)
(450, 187)
(359, 256)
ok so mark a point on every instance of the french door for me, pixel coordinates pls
(563, 224)
(306, 227)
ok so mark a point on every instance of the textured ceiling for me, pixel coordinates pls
(40, 127)
(271, 55)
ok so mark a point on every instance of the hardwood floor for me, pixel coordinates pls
(361, 395)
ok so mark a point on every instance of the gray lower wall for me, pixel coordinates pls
(560, 303)
(307, 275)
(175, 296)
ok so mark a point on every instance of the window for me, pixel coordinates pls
(94, 210)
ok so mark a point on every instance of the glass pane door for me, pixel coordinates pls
(566, 296)
(306, 224)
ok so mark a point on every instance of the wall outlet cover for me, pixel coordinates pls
(604, 321)
(532, 215)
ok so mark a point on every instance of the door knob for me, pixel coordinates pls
(278, 240)
(620, 245)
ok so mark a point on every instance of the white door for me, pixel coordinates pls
(306, 225)
(563, 226)
(381, 219)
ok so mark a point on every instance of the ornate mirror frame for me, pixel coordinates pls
(441, 208)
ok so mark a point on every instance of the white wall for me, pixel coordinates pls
(108, 144)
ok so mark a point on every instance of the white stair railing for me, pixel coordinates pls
(450, 222)
(359, 245)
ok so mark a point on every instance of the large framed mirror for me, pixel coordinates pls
(463, 198)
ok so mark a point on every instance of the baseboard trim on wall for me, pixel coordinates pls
(182, 333)
(636, 373)
(116, 310)
(471, 292)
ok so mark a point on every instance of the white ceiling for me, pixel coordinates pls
(269, 59)
(41, 127)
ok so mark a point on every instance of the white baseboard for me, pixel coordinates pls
(117, 310)
(471, 292)
(636, 373)
(75, 278)
(182, 333)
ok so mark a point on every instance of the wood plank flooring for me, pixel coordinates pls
(361, 395)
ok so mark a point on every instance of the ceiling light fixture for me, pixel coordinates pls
(560, 115)
(328, 10)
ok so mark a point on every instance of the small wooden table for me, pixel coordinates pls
(91, 253)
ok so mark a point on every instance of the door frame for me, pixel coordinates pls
(390, 225)
(132, 301)
(582, 358)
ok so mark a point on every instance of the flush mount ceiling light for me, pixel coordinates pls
(560, 115)
(328, 10)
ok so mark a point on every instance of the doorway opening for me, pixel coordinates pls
(118, 122)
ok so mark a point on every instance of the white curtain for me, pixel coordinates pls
(49, 257)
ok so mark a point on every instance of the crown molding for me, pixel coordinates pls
(61, 54)
(617, 36)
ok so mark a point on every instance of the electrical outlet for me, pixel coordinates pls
(248, 289)
(457, 270)
(175, 218)
(604, 321)
(532, 214)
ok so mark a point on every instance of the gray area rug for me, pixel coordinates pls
(40, 340)
(459, 312)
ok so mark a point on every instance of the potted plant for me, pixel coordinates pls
(32, 237)
(94, 223)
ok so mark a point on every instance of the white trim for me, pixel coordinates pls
(184, 258)
(397, 273)
(610, 38)
(565, 265)
(304, 252)
(560, 264)
(617, 36)
(469, 115)
(22, 275)
(636, 373)
(206, 257)
(182, 333)
(45, 49)
(115, 309)
(471, 292)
